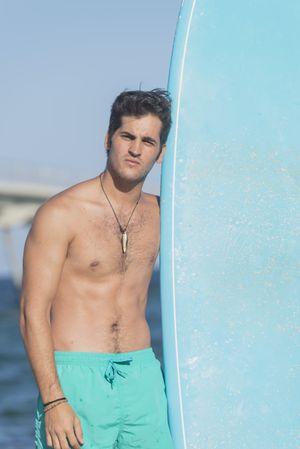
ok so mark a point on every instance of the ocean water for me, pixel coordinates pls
(18, 390)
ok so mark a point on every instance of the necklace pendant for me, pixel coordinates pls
(124, 241)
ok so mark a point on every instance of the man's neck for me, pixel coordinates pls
(120, 191)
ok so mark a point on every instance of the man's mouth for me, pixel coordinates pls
(132, 162)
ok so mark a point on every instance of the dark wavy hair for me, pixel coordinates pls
(139, 103)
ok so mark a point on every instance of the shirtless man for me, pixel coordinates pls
(88, 261)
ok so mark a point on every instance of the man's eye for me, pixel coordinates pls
(126, 137)
(148, 142)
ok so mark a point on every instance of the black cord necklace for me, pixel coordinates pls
(123, 229)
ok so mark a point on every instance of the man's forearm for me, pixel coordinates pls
(36, 334)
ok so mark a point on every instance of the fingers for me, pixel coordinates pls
(78, 430)
(73, 441)
(55, 441)
(63, 441)
(49, 440)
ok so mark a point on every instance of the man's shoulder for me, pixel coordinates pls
(65, 203)
(153, 199)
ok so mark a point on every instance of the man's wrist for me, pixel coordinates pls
(54, 400)
(55, 403)
(52, 392)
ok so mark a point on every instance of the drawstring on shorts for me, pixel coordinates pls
(112, 370)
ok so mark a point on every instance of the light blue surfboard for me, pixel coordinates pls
(230, 227)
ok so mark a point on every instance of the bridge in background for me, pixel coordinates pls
(18, 204)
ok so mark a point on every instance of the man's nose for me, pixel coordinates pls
(135, 147)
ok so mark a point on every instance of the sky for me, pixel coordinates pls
(63, 62)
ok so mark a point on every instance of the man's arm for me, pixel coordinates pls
(44, 256)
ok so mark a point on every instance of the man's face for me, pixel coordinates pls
(137, 139)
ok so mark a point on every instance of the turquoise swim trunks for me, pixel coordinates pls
(120, 399)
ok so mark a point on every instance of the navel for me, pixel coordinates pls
(114, 326)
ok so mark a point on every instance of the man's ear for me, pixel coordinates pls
(161, 155)
(107, 142)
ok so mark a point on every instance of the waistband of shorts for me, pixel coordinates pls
(91, 358)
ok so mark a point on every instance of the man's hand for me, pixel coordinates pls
(63, 428)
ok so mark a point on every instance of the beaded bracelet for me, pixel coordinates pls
(55, 405)
(51, 402)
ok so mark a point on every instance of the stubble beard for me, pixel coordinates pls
(128, 176)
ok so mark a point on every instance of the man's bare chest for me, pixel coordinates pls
(97, 246)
